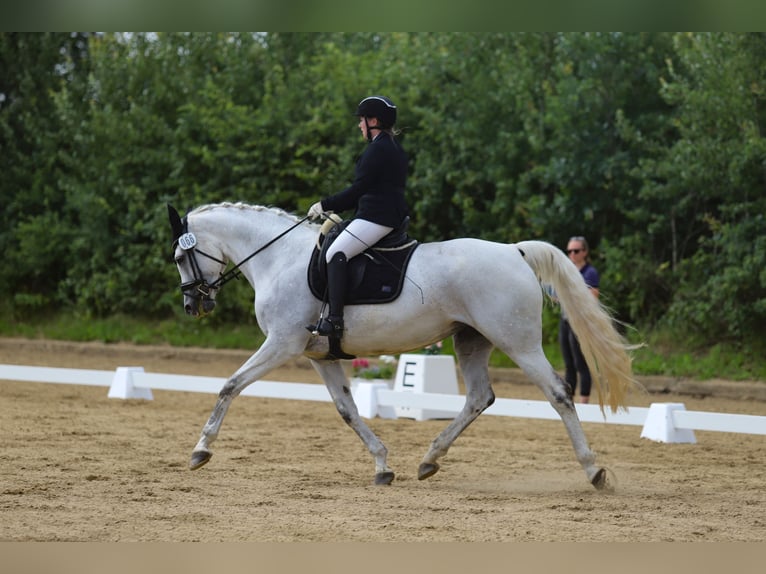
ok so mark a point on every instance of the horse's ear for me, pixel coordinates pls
(175, 222)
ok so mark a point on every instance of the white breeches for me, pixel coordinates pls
(358, 236)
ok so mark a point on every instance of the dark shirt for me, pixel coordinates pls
(590, 275)
(377, 192)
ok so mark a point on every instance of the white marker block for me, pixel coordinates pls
(365, 393)
(425, 374)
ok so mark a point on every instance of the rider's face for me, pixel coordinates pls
(363, 125)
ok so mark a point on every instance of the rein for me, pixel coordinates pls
(188, 243)
(234, 272)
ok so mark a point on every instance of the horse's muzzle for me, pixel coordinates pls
(198, 297)
(199, 307)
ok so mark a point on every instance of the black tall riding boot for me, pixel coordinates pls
(332, 325)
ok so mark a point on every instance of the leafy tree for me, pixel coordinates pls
(649, 144)
(34, 239)
(717, 182)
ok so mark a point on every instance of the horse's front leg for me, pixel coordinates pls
(338, 385)
(267, 358)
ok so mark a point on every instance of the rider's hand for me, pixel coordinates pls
(316, 210)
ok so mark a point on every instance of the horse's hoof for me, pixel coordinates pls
(199, 458)
(384, 478)
(427, 469)
(601, 480)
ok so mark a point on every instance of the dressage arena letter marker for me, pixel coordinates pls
(408, 375)
(425, 374)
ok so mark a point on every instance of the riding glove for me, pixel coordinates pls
(316, 210)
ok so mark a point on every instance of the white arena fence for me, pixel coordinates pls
(412, 396)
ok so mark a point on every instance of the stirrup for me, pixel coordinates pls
(330, 327)
(327, 327)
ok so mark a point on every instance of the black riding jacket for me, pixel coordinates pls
(377, 192)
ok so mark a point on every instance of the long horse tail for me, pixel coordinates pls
(606, 351)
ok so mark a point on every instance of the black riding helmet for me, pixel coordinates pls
(378, 107)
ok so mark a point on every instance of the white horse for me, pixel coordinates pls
(483, 294)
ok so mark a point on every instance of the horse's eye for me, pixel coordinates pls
(179, 259)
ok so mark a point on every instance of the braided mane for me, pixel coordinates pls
(240, 205)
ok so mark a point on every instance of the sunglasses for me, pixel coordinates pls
(575, 251)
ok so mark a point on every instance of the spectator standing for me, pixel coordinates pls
(574, 361)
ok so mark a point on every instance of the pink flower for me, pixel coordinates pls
(360, 364)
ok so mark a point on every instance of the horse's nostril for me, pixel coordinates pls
(208, 305)
(189, 310)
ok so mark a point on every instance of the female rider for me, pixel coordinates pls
(377, 195)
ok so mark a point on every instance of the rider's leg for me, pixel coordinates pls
(332, 324)
(355, 238)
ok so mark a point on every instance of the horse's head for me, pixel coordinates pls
(200, 271)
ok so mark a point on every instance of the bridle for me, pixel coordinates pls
(199, 289)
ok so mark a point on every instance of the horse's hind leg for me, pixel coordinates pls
(472, 350)
(555, 389)
(338, 386)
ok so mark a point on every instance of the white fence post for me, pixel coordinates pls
(659, 425)
(123, 388)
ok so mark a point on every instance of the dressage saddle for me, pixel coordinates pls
(374, 276)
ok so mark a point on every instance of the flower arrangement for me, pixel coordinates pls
(434, 349)
(385, 369)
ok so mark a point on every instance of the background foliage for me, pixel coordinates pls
(651, 145)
